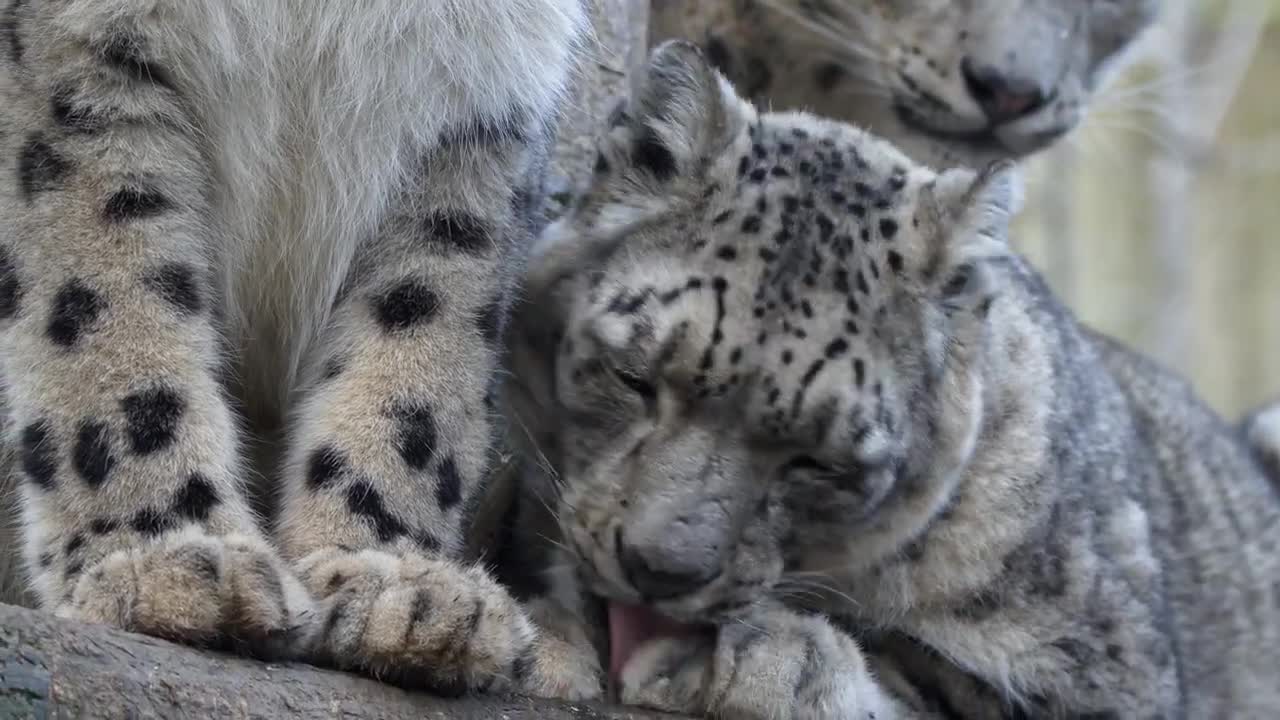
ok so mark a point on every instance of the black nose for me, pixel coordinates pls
(662, 576)
(1003, 97)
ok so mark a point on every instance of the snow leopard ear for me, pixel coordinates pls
(968, 215)
(682, 115)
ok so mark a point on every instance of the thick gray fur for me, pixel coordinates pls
(796, 386)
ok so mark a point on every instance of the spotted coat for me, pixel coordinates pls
(797, 389)
(253, 263)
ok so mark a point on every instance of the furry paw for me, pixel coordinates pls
(672, 674)
(775, 664)
(227, 592)
(421, 622)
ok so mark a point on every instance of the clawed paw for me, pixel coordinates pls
(672, 674)
(230, 592)
(775, 664)
(422, 622)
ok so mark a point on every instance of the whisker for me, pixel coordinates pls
(824, 31)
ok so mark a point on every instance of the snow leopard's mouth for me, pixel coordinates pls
(631, 626)
(997, 140)
(983, 140)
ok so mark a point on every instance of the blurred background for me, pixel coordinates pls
(1159, 220)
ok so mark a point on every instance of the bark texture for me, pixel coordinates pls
(52, 668)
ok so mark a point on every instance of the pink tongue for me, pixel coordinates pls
(630, 627)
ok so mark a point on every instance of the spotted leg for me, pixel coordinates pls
(393, 436)
(131, 500)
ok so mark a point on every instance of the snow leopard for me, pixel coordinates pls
(826, 447)
(254, 262)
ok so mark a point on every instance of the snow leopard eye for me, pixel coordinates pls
(810, 465)
(635, 383)
(845, 477)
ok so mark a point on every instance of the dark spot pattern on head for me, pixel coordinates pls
(39, 454)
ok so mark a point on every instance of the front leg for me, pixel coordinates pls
(132, 496)
(393, 435)
(773, 664)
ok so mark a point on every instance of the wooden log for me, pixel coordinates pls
(54, 668)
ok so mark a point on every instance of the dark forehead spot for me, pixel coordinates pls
(836, 348)
(888, 228)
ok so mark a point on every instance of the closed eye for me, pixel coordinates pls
(636, 384)
(842, 475)
(807, 463)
